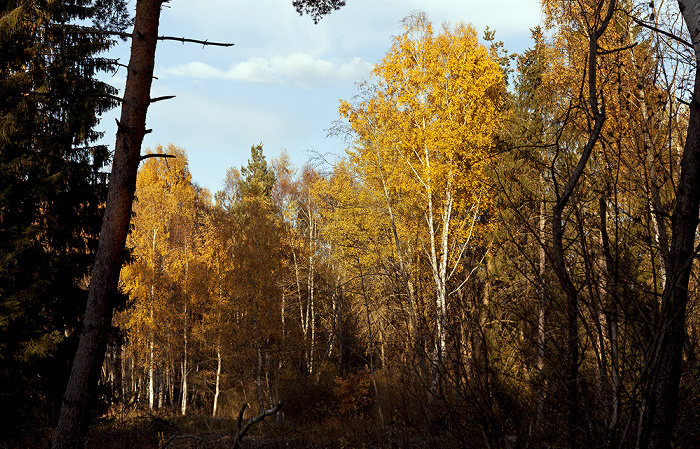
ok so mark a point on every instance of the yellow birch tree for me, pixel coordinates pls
(433, 115)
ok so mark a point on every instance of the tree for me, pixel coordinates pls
(669, 332)
(256, 247)
(52, 189)
(605, 263)
(110, 253)
(433, 113)
(161, 279)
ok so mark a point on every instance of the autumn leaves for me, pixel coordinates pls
(287, 269)
(424, 137)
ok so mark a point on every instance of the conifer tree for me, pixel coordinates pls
(51, 188)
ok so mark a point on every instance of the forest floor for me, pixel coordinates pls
(159, 431)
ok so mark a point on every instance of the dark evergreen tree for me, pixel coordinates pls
(52, 191)
(259, 179)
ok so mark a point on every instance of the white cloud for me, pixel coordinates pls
(298, 68)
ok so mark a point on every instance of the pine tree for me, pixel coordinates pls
(51, 189)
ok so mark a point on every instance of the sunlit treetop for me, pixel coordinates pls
(437, 101)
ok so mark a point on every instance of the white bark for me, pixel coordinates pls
(151, 380)
(151, 344)
(218, 377)
(311, 287)
(185, 368)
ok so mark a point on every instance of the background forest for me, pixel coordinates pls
(495, 262)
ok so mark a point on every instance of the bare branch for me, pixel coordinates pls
(165, 97)
(242, 431)
(126, 35)
(195, 41)
(665, 33)
(148, 156)
(240, 416)
(615, 50)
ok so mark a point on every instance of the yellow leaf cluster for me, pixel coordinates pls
(427, 127)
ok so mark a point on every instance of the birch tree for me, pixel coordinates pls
(436, 107)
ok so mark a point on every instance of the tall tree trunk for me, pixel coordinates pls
(261, 396)
(218, 377)
(669, 333)
(413, 338)
(78, 401)
(571, 307)
(311, 288)
(185, 368)
(151, 359)
(339, 320)
(268, 379)
(371, 349)
(126, 380)
(303, 314)
(541, 317)
(611, 318)
(218, 342)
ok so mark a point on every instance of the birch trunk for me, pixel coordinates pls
(185, 368)
(303, 313)
(218, 377)
(655, 205)
(151, 369)
(218, 344)
(311, 288)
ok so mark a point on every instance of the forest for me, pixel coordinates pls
(503, 257)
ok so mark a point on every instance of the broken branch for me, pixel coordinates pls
(126, 35)
(165, 97)
(147, 156)
(242, 431)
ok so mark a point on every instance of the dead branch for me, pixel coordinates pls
(242, 429)
(194, 41)
(147, 156)
(125, 35)
(165, 97)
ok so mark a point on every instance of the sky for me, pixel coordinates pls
(281, 83)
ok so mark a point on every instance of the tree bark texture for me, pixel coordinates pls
(81, 389)
(666, 358)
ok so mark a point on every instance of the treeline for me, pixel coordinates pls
(488, 265)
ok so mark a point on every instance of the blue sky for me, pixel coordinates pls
(282, 81)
